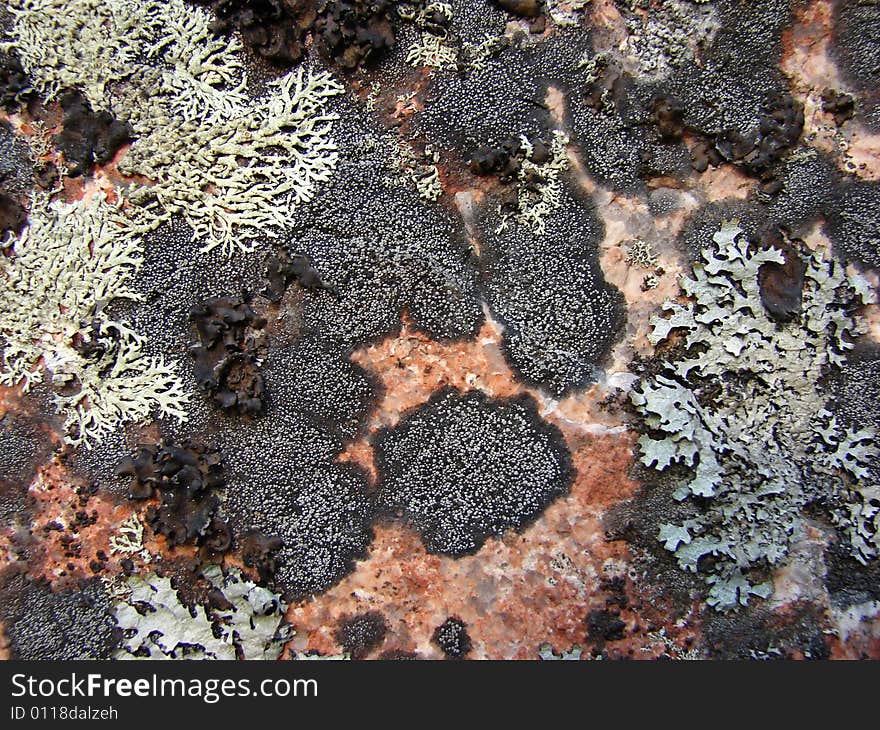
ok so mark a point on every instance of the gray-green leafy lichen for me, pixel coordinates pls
(248, 623)
(745, 409)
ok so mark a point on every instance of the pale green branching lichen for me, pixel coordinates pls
(238, 179)
(233, 167)
(744, 409)
(68, 264)
(86, 44)
(253, 627)
(539, 188)
(431, 49)
(129, 540)
(475, 55)
(143, 61)
(421, 170)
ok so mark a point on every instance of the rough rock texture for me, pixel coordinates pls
(439, 285)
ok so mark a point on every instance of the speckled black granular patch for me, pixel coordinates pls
(462, 468)
(282, 480)
(663, 201)
(24, 445)
(321, 382)
(507, 97)
(360, 634)
(382, 248)
(809, 180)
(16, 168)
(380, 277)
(757, 633)
(853, 223)
(849, 582)
(174, 277)
(731, 96)
(42, 625)
(452, 638)
(705, 222)
(857, 52)
(857, 388)
(547, 289)
(726, 90)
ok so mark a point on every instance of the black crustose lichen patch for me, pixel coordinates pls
(63, 626)
(853, 221)
(360, 634)
(284, 482)
(463, 467)
(560, 315)
(452, 638)
(321, 382)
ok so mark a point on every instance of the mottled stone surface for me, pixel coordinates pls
(422, 295)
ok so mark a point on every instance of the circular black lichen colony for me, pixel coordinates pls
(453, 639)
(358, 635)
(462, 468)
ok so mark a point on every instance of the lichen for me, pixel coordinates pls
(247, 622)
(431, 19)
(744, 408)
(567, 13)
(463, 468)
(538, 184)
(44, 625)
(665, 37)
(641, 253)
(129, 540)
(68, 264)
(420, 169)
(573, 654)
(235, 168)
(237, 179)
